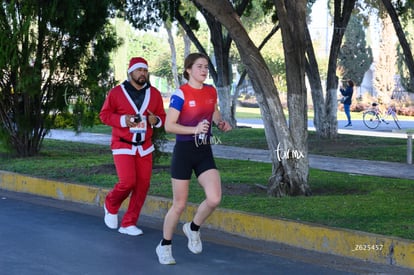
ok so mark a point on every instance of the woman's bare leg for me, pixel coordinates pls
(211, 183)
(180, 195)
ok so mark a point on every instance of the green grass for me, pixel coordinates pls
(371, 204)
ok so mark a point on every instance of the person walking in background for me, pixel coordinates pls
(193, 109)
(132, 109)
(347, 100)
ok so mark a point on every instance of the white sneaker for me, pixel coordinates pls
(130, 230)
(164, 253)
(194, 242)
(111, 220)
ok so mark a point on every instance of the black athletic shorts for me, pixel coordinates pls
(188, 156)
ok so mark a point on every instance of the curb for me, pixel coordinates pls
(341, 242)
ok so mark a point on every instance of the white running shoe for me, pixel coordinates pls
(164, 253)
(111, 220)
(131, 230)
(194, 242)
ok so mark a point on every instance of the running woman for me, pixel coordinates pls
(193, 109)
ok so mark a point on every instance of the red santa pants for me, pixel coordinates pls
(134, 175)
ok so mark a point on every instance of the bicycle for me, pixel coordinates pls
(373, 116)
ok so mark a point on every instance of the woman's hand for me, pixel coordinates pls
(202, 127)
(224, 126)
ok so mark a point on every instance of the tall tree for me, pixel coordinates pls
(400, 12)
(50, 51)
(385, 65)
(408, 56)
(355, 57)
(287, 143)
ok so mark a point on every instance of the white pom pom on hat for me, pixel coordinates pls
(136, 63)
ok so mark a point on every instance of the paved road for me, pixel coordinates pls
(46, 237)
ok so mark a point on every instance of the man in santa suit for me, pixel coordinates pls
(132, 109)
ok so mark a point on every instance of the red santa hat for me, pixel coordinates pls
(136, 63)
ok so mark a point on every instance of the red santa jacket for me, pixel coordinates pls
(118, 104)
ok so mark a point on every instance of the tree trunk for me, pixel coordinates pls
(187, 44)
(173, 55)
(312, 71)
(341, 20)
(290, 163)
(294, 45)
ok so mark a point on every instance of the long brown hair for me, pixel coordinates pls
(189, 62)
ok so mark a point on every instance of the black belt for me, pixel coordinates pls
(131, 142)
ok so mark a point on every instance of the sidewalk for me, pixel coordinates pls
(346, 165)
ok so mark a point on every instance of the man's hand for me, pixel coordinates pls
(152, 119)
(130, 121)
